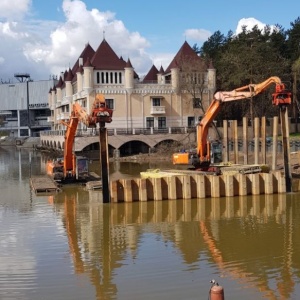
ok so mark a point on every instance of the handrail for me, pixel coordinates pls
(124, 131)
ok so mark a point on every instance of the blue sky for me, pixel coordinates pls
(45, 37)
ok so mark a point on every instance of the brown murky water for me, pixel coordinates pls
(71, 246)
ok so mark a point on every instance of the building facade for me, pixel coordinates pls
(174, 97)
(24, 107)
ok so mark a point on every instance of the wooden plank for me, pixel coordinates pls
(263, 140)
(225, 141)
(245, 140)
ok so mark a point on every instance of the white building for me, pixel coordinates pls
(163, 99)
(24, 107)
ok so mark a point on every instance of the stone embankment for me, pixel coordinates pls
(24, 142)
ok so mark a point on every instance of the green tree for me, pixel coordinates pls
(251, 57)
(293, 41)
(296, 89)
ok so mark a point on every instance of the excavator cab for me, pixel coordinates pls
(191, 157)
(82, 167)
(216, 152)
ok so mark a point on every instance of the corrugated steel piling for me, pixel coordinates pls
(197, 186)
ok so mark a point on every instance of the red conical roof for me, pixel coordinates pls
(106, 59)
(186, 54)
(59, 83)
(88, 51)
(69, 76)
(151, 75)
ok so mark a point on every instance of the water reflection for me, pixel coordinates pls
(142, 250)
(249, 239)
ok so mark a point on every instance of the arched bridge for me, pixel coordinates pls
(150, 138)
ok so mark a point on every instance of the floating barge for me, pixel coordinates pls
(44, 184)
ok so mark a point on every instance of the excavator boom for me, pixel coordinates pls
(202, 157)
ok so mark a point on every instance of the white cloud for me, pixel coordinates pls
(250, 23)
(200, 35)
(42, 48)
(13, 36)
(14, 9)
(12, 30)
(68, 39)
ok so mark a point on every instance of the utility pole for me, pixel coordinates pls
(22, 77)
(286, 148)
(104, 162)
(103, 115)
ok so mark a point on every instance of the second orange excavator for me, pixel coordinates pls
(208, 152)
(72, 168)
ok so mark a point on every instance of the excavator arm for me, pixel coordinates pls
(202, 157)
(68, 145)
(100, 114)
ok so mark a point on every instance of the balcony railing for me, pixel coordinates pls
(157, 110)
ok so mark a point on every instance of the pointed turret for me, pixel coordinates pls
(129, 75)
(59, 86)
(106, 59)
(151, 76)
(88, 74)
(68, 81)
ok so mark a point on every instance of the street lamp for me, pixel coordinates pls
(21, 78)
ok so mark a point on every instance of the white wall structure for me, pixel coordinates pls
(162, 99)
(24, 109)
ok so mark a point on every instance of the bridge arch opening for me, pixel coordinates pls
(92, 151)
(167, 146)
(134, 147)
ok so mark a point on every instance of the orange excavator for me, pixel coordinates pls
(71, 167)
(208, 152)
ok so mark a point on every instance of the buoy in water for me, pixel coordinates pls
(216, 291)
